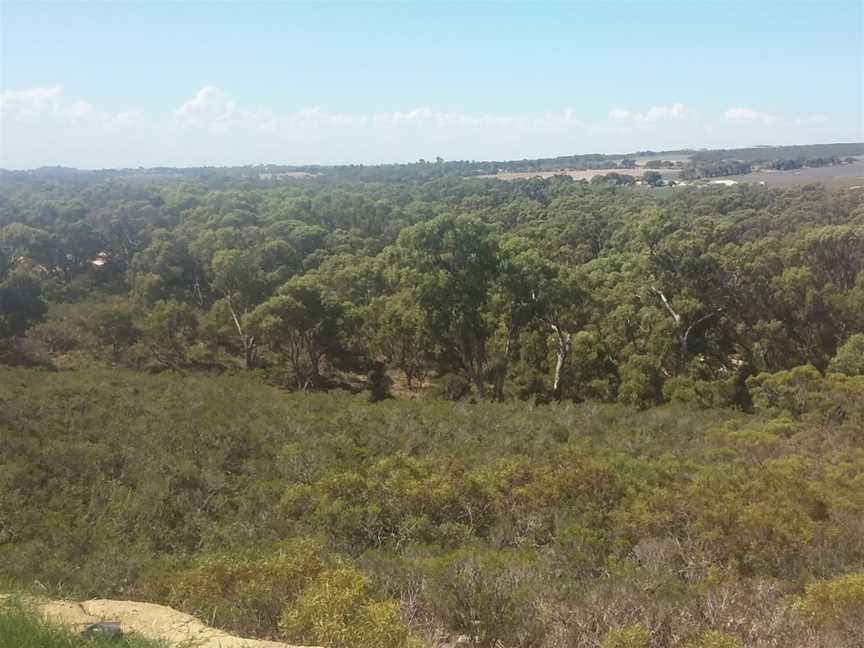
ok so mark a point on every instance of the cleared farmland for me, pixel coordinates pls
(582, 174)
(841, 175)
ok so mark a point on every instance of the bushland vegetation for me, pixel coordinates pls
(622, 416)
(324, 519)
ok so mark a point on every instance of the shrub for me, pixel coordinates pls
(453, 387)
(633, 636)
(246, 594)
(54, 336)
(835, 602)
(850, 357)
(492, 596)
(337, 610)
(641, 382)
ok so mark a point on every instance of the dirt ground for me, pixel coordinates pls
(148, 620)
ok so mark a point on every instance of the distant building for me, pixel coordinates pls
(99, 260)
(726, 183)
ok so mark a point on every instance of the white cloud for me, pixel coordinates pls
(210, 108)
(620, 115)
(209, 104)
(30, 104)
(50, 105)
(44, 126)
(315, 118)
(660, 113)
(426, 116)
(672, 112)
(748, 116)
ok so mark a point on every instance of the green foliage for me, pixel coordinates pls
(453, 387)
(590, 373)
(641, 384)
(246, 593)
(398, 330)
(546, 289)
(850, 357)
(490, 596)
(301, 325)
(55, 336)
(834, 602)
(21, 303)
(634, 636)
(113, 326)
(379, 383)
(452, 262)
(573, 461)
(805, 394)
(336, 610)
(205, 492)
(168, 331)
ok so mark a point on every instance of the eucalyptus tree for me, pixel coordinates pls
(451, 262)
(301, 325)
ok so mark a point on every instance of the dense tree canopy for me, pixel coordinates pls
(458, 279)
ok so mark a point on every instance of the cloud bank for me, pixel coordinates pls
(45, 126)
(674, 112)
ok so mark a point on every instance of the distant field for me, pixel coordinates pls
(675, 157)
(845, 175)
(284, 174)
(583, 174)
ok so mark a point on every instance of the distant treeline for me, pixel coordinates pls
(797, 163)
(714, 169)
(779, 157)
(768, 153)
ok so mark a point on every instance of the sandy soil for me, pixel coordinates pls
(150, 621)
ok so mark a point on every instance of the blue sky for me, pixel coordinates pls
(177, 83)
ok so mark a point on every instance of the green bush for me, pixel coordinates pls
(246, 594)
(493, 596)
(634, 636)
(641, 382)
(850, 357)
(453, 387)
(835, 602)
(337, 610)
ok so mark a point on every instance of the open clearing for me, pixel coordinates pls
(582, 174)
(842, 175)
(151, 621)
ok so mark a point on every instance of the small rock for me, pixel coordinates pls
(103, 629)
